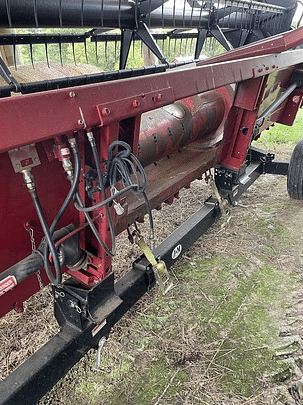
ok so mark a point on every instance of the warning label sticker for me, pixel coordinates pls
(7, 284)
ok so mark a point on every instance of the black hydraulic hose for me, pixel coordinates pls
(72, 191)
(57, 218)
(100, 178)
(108, 200)
(50, 242)
(34, 262)
(124, 162)
(93, 228)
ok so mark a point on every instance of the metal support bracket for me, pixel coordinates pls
(232, 184)
(144, 34)
(74, 305)
(126, 39)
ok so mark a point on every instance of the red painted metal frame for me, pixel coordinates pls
(249, 80)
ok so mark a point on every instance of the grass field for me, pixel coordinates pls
(282, 134)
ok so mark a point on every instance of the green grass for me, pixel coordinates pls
(282, 134)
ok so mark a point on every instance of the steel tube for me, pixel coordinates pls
(165, 130)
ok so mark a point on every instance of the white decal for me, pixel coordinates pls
(176, 252)
(7, 284)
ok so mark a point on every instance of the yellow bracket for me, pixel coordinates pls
(159, 267)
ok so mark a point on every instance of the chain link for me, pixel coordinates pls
(30, 230)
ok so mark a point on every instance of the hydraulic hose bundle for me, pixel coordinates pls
(122, 167)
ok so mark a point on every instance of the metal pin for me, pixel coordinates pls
(101, 344)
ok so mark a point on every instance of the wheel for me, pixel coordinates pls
(295, 173)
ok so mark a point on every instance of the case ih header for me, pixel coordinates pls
(84, 158)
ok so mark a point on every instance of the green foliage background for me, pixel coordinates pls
(106, 54)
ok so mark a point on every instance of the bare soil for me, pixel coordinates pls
(229, 332)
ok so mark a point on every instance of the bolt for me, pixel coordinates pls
(260, 70)
(72, 94)
(135, 103)
(80, 122)
(36, 159)
(273, 66)
(267, 68)
(18, 166)
(159, 97)
(105, 111)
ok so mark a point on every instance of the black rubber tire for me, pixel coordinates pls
(295, 173)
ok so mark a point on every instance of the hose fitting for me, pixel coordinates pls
(29, 180)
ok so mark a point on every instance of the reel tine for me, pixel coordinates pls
(105, 49)
(149, 11)
(14, 56)
(96, 50)
(60, 13)
(174, 14)
(36, 14)
(181, 40)
(119, 15)
(82, 13)
(116, 43)
(102, 17)
(60, 53)
(74, 53)
(186, 44)
(32, 55)
(46, 53)
(133, 41)
(85, 50)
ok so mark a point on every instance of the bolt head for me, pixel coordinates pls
(105, 111)
(135, 103)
